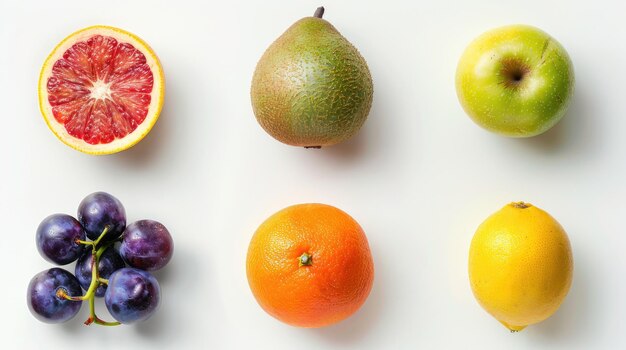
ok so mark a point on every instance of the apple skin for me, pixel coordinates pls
(516, 81)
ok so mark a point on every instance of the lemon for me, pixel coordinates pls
(520, 265)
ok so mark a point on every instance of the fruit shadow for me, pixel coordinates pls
(168, 323)
(77, 330)
(363, 321)
(576, 133)
(350, 150)
(158, 140)
(367, 139)
(571, 321)
(74, 326)
(154, 143)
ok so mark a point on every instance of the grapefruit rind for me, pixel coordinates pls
(154, 108)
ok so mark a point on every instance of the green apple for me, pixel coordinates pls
(516, 81)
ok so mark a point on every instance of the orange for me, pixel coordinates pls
(310, 265)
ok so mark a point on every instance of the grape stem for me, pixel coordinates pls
(97, 241)
(93, 318)
(96, 281)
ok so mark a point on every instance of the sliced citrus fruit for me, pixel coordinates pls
(101, 90)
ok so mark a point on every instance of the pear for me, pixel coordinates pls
(311, 87)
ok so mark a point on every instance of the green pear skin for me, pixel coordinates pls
(311, 87)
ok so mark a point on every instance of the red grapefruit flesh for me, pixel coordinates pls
(101, 90)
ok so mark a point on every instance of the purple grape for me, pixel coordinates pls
(43, 301)
(146, 245)
(56, 239)
(99, 210)
(133, 295)
(109, 262)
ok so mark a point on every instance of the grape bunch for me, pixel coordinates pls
(112, 261)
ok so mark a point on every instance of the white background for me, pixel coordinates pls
(419, 177)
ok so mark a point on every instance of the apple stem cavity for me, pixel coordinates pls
(319, 13)
(513, 71)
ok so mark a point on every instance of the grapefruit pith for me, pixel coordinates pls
(101, 90)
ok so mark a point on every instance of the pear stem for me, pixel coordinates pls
(319, 13)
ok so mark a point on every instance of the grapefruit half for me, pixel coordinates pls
(101, 90)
